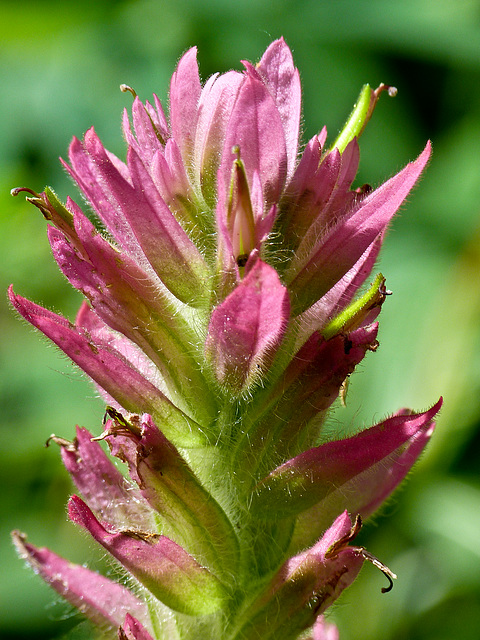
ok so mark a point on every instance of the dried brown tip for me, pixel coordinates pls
(125, 87)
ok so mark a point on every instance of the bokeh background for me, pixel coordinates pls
(61, 64)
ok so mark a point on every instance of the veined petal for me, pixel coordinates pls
(126, 299)
(133, 630)
(305, 586)
(150, 125)
(92, 326)
(104, 488)
(194, 518)
(307, 168)
(185, 90)
(110, 370)
(170, 178)
(255, 127)
(102, 601)
(166, 245)
(325, 201)
(283, 81)
(342, 198)
(214, 110)
(103, 199)
(179, 183)
(157, 114)
(246, 329)
(343, 246)
(172, 254)
(118, 291)
(377, 458)
(163, 567)
(149, 138)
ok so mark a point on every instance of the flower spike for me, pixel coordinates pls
(227, 303)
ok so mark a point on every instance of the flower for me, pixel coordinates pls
(223, 276)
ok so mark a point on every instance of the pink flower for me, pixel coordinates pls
(222, 277)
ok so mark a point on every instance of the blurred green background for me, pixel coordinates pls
(61, 64)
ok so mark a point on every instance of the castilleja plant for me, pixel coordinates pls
(222, 273)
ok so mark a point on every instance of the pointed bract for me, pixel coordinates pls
(110, 370)
(104, 602)
(104, 488)
(314, 272)
(162, 566)
(386, 451)
(170, 487)
(255, 128)
(182, 269)
(246, 329)
(339, 296)
(214, 108)
(305, 586)
(290, 415)
(185, 90)
(124, 297)
(172, 254)
(150, 138)
(283, 81)
(367, 490)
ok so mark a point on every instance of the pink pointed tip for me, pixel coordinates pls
(432, 412)
(21, 305)
(339, 529)
(78, 512)
(11, 294)
(133, 630)
(424, 157)
(250, 68)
